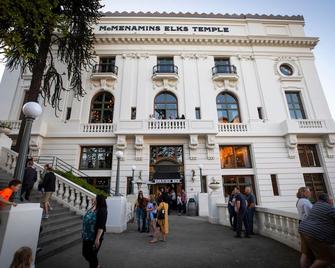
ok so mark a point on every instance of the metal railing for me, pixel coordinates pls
(224, 69)
(165, 68)
(105, 68)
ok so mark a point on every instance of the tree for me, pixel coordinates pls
(35, 34)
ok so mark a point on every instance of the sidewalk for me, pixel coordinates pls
(192, 242)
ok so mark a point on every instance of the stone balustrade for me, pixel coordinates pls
(70, 194)
(232, 127)
(311, 123)
(97, 128)
(173, 124)
(275, 224)
(14, 124)
(8, 160)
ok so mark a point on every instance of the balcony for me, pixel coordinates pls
(13, 124)
(232, 128)
(98, 128)
(165, 71)
(224, 72)
(163, 127)
(306, 126)
(104, 71)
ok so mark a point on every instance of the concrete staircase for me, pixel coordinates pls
(60, 231)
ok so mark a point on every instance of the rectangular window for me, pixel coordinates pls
(204, 184)
(308, 155)
(164, 60)
(274, 185)
(260, 113)
(107, 64)
(96, 157)
(197, 113)
(129, 185)
(68, 113)
(102, 183)
(241, 181)
(133, 113)
(222, 65)
(316, 183)
(165, 65)
(235, 156)
(295, 105)
(221, 61)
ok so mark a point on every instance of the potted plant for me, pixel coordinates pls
(214, 185)
(5, 127)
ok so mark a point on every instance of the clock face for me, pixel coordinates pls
(286, 69)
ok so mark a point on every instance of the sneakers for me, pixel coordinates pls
(45, 216)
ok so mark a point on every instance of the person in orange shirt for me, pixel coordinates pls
(6, 193)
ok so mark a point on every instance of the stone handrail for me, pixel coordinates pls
(70, 194)
(276, 224)
(167, 124)
(310, 123)
(8, 160)
(14, 124)
(98, 128)
(232, 127)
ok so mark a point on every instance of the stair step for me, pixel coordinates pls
(60, 227)
(53, 237)
(62, 214)
(50, 221)
(58, 246)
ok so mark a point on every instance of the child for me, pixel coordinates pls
(23, 258)
(6, 193)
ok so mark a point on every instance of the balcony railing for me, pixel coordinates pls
(310, 123)
(232, 127)
(166, 124)
(224, 69)
(98, 128)
(165, 69)
(105, 68)
(14, 124)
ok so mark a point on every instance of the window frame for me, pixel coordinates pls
(238, 184)
(166, 103)
(97, 159)
(234, 153)
(102, 110)
(312, 185)
(300, 102)
(312, 148)
(274, 184)
(228, 109)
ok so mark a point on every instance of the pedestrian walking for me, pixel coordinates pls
(94, 227)
(179, 204)
(162, 220)
(23, 258)
(152, 215)
(231, 210)
(183, 200)
(140, 208)
(29, 179)
(7, 193)
(251, 207)
(303, 204)
(317, 233)
(49, 186)
(241, 213)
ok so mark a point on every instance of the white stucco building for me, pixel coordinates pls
(246, 88)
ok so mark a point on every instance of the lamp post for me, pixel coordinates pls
(133, 168)
(119, 155)
(31, 110)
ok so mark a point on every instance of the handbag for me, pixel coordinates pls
(161, 214)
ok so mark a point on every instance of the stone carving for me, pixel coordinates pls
(291, 143)
(165, 83)
(329, 142)
(210, 145)
(121, 144)
(139, 144)
(193, 145)
(103, 83)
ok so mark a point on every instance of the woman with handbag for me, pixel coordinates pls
(162, 219)
(94, 227)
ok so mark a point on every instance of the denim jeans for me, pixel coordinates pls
(251, 213)
(141, 216)
(242, 217)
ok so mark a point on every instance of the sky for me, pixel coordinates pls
(319, 19)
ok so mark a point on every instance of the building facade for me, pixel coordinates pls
(191, 99)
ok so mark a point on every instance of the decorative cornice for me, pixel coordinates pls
(203, 15)
(309, 42)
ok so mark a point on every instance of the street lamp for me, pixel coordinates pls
(119, 155)
(31, 110)
(133, 168)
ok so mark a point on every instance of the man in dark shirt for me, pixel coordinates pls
(251, 202)
(29, 178)
(317, 232)
(49, 186)
(241, 213)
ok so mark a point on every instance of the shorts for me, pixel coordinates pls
(317, 249)
(46, 197)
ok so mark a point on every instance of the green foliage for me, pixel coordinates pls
(81, 182)
(4, 124)
(35, 33)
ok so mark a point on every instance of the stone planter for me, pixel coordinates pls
(214, 186)
(5, 130)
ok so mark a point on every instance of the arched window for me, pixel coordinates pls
(102, 108)
(227, 107)
(166, 106)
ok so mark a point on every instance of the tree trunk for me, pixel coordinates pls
(36, 80)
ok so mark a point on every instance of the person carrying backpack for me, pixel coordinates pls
(162, 219)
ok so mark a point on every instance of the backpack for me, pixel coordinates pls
(89, 221)
(161, 214)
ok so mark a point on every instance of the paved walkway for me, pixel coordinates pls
(192, 242)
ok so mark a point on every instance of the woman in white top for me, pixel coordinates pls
(303, 204)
